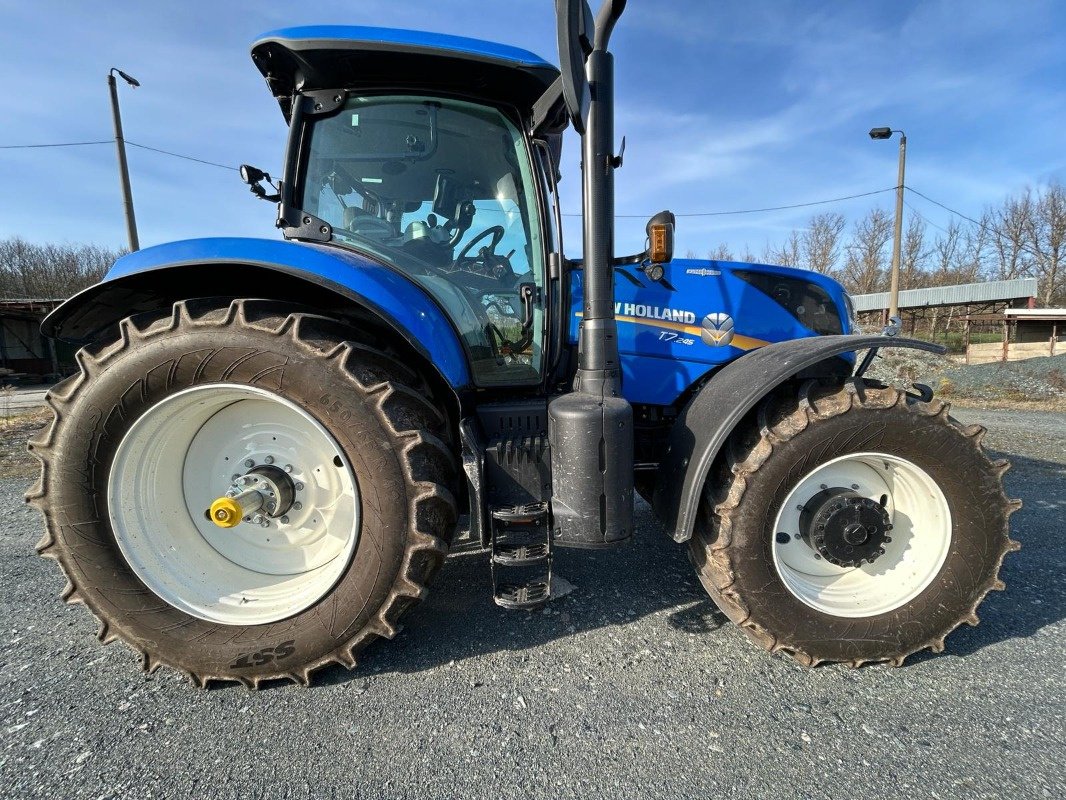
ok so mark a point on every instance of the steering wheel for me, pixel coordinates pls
(497, 232)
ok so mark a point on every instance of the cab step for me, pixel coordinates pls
(521, 556)
(523, 595)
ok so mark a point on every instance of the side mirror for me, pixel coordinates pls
(575, 30)
(661, 238)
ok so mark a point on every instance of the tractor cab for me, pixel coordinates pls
(414, 150)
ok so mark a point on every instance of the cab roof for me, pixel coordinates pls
(374, 59)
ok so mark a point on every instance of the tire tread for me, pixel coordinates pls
(778, 420)
(397, 395)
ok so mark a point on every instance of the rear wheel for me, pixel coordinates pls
(240, 492)
(853, 524)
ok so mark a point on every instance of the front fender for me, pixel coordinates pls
(711, 415)
(265, 268)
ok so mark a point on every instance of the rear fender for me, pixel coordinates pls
(328, 279)
(711, 415)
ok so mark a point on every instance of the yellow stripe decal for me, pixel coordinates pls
(741, 342)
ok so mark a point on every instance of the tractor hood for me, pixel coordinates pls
(385, 59)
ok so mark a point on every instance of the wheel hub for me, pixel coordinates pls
(266, 489)
(844, 527)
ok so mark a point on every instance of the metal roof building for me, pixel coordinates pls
(963, 294)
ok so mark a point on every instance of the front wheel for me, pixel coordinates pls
(853, 524)
(241, 492)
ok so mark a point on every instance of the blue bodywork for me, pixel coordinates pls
(660, 324)
(660, 339)
(360, 59)
(394, 297)
(370, 38)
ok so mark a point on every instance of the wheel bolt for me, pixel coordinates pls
(299, 486)
(258, 519)
(288, 467)
(234, 477)
(249, 463)
(297, 506)
(284, 520)
(268, 460)
(855, 486)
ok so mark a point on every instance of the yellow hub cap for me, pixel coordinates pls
(226, 512)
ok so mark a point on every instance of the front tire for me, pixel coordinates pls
(770, 544)
(154, 423)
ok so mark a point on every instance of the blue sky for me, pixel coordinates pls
(724, 106)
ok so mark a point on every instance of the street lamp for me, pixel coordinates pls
(120, 146)
(893, 292)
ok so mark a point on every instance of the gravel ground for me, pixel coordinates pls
(632, 685)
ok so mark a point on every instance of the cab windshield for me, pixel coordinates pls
(441, 190)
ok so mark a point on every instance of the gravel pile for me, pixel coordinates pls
(1039, 380)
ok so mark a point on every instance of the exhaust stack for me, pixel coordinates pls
(591, 428)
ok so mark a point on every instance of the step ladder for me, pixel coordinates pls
(521, 556)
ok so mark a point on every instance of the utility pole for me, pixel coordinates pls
(893, 291)
(120, 146)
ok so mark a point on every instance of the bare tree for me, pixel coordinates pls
(721, 253)
(788, 254)
(1047, 238)
(1009, 227)
(976, 250)
(821, 242)
(912, 259)
(948, 255)
(50, 271)
(865, 265)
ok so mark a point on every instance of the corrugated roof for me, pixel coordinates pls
(961, 294)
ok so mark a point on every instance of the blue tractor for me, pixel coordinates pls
(262, 459)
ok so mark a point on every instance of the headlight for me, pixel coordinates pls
(809, 303)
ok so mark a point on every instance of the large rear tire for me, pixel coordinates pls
(154, 423)
(852, 524)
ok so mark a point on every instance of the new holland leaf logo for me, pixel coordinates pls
(717, 330)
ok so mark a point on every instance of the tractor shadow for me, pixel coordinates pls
(648, 575)
(651, 575)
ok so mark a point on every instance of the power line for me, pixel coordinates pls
(110, 141)
(55, 144)
(991, 228)
(924, 218)
(179, 155)
(757, 210)
(938, 203)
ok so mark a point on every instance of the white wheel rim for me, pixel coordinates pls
(181, 455)
(921, 538)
